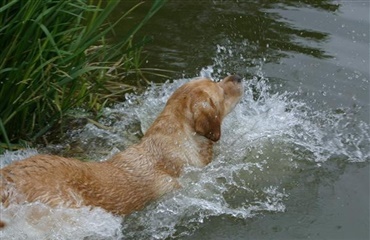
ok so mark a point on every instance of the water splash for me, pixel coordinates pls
(12, 156)
(266, 142)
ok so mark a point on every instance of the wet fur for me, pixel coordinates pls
(183, 134)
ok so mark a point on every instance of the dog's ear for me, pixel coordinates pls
(207, 119)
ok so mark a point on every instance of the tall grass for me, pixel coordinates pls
(55, 56)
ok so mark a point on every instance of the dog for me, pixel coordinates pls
(182, 135)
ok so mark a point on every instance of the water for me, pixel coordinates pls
(293, 159)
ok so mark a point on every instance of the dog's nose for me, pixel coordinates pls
(236, 78)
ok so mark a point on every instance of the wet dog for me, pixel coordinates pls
(183, 134)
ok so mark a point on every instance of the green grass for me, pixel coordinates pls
(55, 55)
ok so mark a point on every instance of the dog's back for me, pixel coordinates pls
(63, 181)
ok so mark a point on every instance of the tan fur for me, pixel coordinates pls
(183, 134)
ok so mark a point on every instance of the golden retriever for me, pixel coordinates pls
(183, 134)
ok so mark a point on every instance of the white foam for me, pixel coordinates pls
(38, 221)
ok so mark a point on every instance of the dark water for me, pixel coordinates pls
(293, 161)
(316, 50)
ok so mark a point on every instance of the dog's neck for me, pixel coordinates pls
(187, 146)
(190, 149)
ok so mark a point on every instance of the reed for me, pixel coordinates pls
(55, 55)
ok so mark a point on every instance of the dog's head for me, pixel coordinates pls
(204, 103)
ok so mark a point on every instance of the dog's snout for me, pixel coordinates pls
(233, 78)
(236, 78)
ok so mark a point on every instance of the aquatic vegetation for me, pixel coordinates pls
(57, 55)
